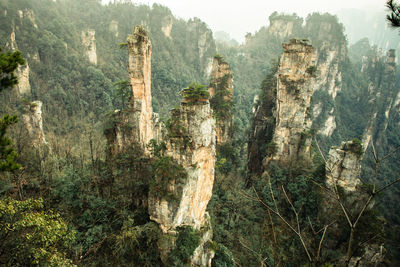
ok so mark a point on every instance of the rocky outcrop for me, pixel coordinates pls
(343, 167)
(200, 43)
(281, 127)
(27, 14)
(192, 147)
(34, 124)
(23, 87)
(328, 38)
(221, 93)
(89, 44)
(196, 153)
(293, 95)
(139, 68)
(283, 26)
(135, 126)
(189, 140)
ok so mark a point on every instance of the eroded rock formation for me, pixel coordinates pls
(293, 95)
(23, 87)
(89, 43)
(221, 94)
(34, 124)
(283, 26)
(281, 127)
(139, 68)
(344, 166)
(189, 140)
(135, 125)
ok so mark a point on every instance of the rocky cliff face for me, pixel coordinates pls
(189, 141)
(89, 43)
(344, 166)
(34, 124)
(139, 68)
(281, 126)
(293, 95)
(23, 87)
(200, 43)
(331, 49)
(343, 170)
(135, 125)
(27, 14)
(221, 93)
(283, 26)
(197, 156)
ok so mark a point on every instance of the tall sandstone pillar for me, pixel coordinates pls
(293, 95)
(139, 68)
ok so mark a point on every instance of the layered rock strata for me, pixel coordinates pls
(293, 95)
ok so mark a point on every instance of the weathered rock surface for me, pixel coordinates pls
(34, 124)
(221, 89)
(23, 87)
(89, 43)
(135, 126)
(293, 96)
(139, 68)
(198, 158)
(344, 166)
(194, 150)
(283, 26)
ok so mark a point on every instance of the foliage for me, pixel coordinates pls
(394, 16)
(31, 236)
(222, 101)
(123, 91)
(9, 62)
(137, 245)
(312, 71)
(167, 171)
(356, 147)
(195, 92)
(187, 241)
(7, 153)
(227, 158)
(223, 257)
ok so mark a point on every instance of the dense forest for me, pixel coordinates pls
(82, 185)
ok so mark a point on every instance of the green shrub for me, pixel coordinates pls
(195, 92)
(187, 241)
(166, 169)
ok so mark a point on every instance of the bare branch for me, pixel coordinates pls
(390, 153)
(374, 151)
(320, 151)
(387, 186)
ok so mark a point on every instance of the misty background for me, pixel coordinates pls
(361, 18)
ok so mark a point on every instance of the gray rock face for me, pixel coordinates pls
(294, 91)
(344, 166)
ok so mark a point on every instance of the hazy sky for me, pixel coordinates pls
(237, 17)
